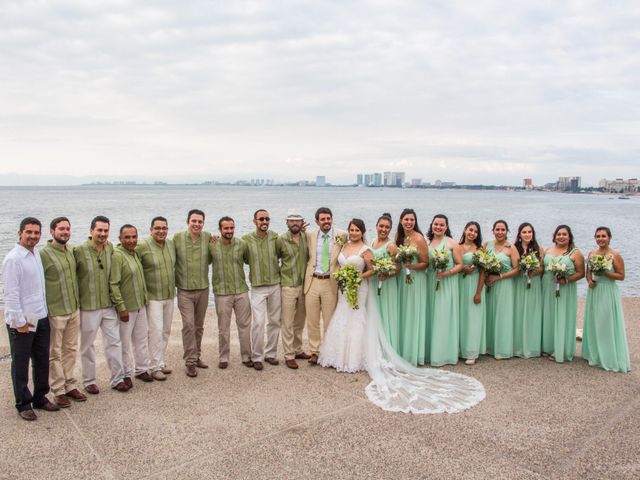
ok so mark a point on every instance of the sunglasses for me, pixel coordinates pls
(100, 266)
(263, 219)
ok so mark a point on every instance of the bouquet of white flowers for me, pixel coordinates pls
(527, 264)
(559, 270)
(440, 263)
(599, 264)
(487, 261)
(406, 254)
(383, 266)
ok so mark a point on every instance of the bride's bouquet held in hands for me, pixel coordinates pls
(383, 266)
(559, 270)
(527, 264)
(349, 279)
(406, 254)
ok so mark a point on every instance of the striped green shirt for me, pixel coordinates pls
(192, 261)
(93, 270)
(227, 272)
(158, 263)
(128, 291)
(60, 282)
(293, 259)
(262, 258)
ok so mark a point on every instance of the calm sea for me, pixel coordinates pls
(138, 204)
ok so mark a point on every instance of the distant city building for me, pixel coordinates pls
(377, 179)
(620, 185)
(527, 183)
(393, 179)
(321, 181)
(416, 182)
(568, 184)
(360, 179)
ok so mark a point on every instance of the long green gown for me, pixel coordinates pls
(604, 340)
(559, 313)
(445, 316)
(413, 316)
(387, 300)
(527, 319)
(500, 311)
(473, 318)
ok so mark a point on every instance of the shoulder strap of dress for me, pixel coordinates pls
(570, 252)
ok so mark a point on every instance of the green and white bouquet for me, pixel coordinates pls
(349, 279)
(599, 265)
(527, 264)
(340, 240)
(440, 263)
(487, 261)
(383, 266)
(406, 254)
(559, 270)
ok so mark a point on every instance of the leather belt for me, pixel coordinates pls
(322, 276)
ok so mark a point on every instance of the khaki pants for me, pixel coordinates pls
(319, 298)
(265, 306)
(63, 350)
(105, 319)
(159, 317)
(193, 308)
(241, 306)
(293, 316)
(135, 338)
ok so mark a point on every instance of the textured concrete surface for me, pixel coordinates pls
(539, 420)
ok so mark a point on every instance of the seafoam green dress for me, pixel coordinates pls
(387, 300)
(559, 313)
(527, 319)
(604, 340)
(500, 311)
(445, 317)
(473, 318)
(413, 316)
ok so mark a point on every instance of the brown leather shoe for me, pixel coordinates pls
(191, 371)
(302, 356)
(166, 370)
(121, 387)
(145, 377)
(159, 375)
(258, 365)
(47, 406)
(272, 361)
(92, 389)
(62, 401)
(28, 415)
(291, 364)
(77, 395)
(248, 363)
(313, 359)
(128, 382)
(223, 365)
(201, 364)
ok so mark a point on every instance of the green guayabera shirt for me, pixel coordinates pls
(60, 282)
(262, 258)
(192, 261)
(128, 291)
(158, 264)
(227, 272)
(294, 258)
(92, 270)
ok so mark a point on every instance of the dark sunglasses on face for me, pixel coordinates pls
(264, 219)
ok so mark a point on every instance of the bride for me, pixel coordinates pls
(355, 341)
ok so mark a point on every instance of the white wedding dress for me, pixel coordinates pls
(355, 340)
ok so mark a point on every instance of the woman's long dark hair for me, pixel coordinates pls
(533, 244)
(568, 229)
(400, 232)
(478, 241)
(359, 224)
(430, 233)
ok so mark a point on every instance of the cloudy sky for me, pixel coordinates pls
(470, 91)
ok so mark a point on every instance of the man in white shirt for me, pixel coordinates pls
(25, 313)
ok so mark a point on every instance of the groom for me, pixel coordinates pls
(320, 288)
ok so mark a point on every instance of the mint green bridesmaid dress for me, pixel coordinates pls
(500, 310)
(413, 316)
(387, 301)
(527, 319)
(473, 318)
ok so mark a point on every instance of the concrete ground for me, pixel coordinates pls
(539, 420)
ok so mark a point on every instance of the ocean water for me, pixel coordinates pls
(137, 204)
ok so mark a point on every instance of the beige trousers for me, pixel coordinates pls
(319, 299)
(241, 306)
(159, 317)
(134, 335)
(63, 350)
(193, 308)
(105, 319)
(292, 324)
(265, 307)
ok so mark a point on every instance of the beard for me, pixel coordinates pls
(61, 241)
(295, 229)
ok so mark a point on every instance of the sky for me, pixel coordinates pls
(466, 91)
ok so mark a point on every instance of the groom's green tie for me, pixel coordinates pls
(325, 253)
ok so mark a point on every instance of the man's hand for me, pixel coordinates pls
(24, 328)
(214, 239)
(124, 316)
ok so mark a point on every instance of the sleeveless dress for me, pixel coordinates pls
(413, 317)
(387, 301)
(604, 340)
(500, 311)
(473, 318)
(559, 313)
(444, 316)
(527, 319)
(344, 343)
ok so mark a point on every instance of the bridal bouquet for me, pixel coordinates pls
(406, 254)
(559, 270)
(487, 261)
(349, 279)
(440, 263)
(527, 264)
(383, 266)
(599, 264)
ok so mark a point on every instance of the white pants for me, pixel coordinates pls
(265, 306)
(135, 336)
(106, 320)
(159, 317)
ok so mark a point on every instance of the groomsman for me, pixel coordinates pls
(93, 268)
(129, 296)
(230, 290)
(192, 280)
(25, 313)
(158, 257)
(320, 288)
(63, 303)
(294, 254)
(264, 273)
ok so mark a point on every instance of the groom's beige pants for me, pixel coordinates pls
(319, 298)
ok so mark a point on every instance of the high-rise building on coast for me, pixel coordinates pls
(321, 181)
(620, 185)
(568, 184)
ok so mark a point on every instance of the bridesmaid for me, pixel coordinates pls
(559, 313)
(444, 313)
(387, 301)
(527, 327)
(604, 340)
(473, 316)
(413, 305)
(500, 308)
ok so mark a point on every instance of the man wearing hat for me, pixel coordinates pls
(294, 253)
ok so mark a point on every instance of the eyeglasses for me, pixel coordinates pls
(263, 219)
(100, 266)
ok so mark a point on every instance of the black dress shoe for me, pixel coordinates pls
(47, 406)
(28, 415)
(248, 363)
(145, 377)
